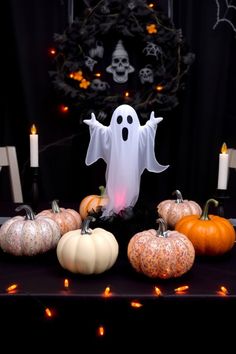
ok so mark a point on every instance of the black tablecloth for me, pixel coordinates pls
(40, 284)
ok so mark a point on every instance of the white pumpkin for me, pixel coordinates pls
(87, 251)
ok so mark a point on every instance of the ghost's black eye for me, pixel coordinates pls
(129, 119)
(119, 119)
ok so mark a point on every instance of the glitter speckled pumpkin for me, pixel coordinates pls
(173, 210)
(67, 219)
(161, 253)
(29, 235)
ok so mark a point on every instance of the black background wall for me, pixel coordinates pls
(189, 138)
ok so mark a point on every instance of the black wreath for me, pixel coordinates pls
(84, 51)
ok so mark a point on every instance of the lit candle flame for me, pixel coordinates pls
(98, 74)
(33, 129)
(224, 149)
(101, 331)
(182, 289)
(136, 304)
(107, 292)
(12, 288)
(151, 5)
(158, 291)
(126, 94)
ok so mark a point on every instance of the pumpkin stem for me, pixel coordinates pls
(179, 196)
(102, 191)
(55, 206)
(85, 225)
(204, 215)
(162, 228)
(29, 212)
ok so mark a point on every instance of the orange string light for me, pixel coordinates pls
(101, 331)
(12, 288)
(107, 291)
(157, 291)
(182, 289)
(136, 304)
(223, 291)
(66, 283)
(48, 312)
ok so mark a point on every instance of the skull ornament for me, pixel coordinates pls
(146, 74)
(99, 85)
(120, 66)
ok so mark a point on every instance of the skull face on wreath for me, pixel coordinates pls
(146, 74)
(120, 66)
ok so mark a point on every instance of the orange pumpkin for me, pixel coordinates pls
(173, 210)
(67, 219)
(211, 235)
(93, 203)
(162, 253)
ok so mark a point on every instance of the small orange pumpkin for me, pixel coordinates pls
(162, 253)
(67, 219)
(211, 235)
(173, 210)
(93, 203)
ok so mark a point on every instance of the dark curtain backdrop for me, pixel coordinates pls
(188, 139)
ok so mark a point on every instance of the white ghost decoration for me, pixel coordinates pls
(127, 148)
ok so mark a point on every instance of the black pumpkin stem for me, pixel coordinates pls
(85, 230)
(29, 212)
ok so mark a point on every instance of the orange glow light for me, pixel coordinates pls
(64, 109)
(159, 87)
(12, 288)
(33, 129)
(136, 304)
(223, 291)
(98, 75)
(84, 84)
(107, 292)
(66, 283)
(152, 28)
(126, 94)
(151, 5)
(158, 291)
(48, 312)
(182, 289)
(52, 51)
(224, 149)
(101, 331)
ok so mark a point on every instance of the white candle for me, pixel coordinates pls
(34, 155)
(223, 168)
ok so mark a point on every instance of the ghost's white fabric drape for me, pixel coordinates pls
(8, 158)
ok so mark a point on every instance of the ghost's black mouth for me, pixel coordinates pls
(125, 133)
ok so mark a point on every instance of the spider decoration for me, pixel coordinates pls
(120, 52)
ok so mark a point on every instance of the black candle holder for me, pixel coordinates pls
(222, 197)
(34, 187)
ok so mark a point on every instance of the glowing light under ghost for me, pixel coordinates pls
(127, 148)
